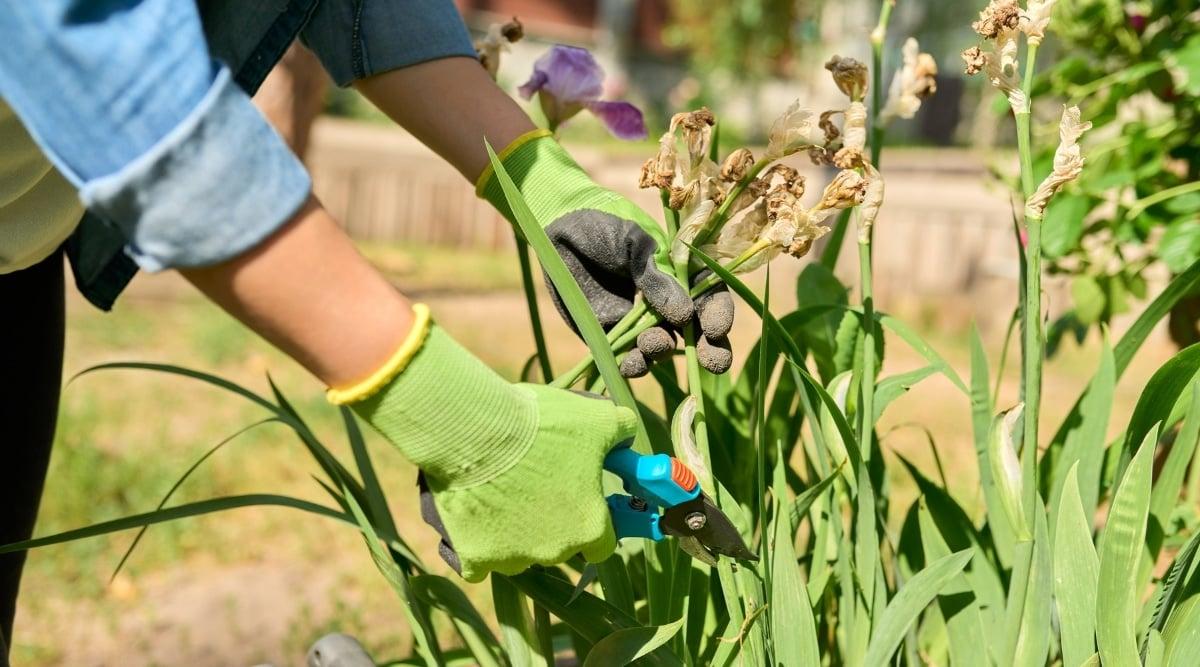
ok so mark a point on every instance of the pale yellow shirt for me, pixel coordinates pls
(38, 207)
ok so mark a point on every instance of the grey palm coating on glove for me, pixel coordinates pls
(338, 650)
(612, 259)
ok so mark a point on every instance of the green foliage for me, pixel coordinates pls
(1136, 202)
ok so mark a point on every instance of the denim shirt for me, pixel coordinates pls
(143, 105)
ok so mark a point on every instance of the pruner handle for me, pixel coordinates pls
(662, 480)
(632, 518)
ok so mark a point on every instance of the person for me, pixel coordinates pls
(128, 140)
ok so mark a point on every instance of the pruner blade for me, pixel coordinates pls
(703, 528)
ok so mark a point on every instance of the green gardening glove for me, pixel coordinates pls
(511, 472)
(613, 250)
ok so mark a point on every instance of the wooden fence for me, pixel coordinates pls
(943, 233)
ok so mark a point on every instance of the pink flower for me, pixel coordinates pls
(567, 80)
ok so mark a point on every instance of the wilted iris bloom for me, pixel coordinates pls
(567, 80)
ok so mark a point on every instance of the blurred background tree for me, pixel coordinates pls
(1134, 68)
(753, 38)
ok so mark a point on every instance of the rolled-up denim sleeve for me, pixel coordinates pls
(356, 39)
(124, 98)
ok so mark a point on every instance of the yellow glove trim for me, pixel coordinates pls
(392, 367)
(486, 176)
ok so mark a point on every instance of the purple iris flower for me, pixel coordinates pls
(567, 80)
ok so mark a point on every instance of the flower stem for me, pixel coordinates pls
(693, 362)
(734, 600)
(878, 36)
(535, 318)
(867, 406)
(833, 248)
(866, 278)
(714, 223)
(1033, 348)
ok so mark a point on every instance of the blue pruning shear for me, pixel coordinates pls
(659, 480)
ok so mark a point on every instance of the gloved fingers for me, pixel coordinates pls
(610, 299)
(662, 292)
(652, 344)
(714, 354)
(656, 342)
(601, 548)
(714, 310)
(635, 364)
(594, 246)
(429, 512)
(338, 650)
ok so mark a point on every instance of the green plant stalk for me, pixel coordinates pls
(729, 582)
(1033, 349)
(1146, 202)
(535, 318)
(867, 382)
(878, 37)
(829, 256)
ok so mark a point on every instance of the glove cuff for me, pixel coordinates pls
(392, 367)
(547, 176)
(448, 413)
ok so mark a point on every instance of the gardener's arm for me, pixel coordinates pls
(492, 453)
(612, 247)
(125, 100)
(451, 105)
(307, 291)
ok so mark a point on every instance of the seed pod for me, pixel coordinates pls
(849, 75)
(684, 438)
(1006, 468)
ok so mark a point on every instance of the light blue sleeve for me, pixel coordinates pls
(124, 98)
(358, 39)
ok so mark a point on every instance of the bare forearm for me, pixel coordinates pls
(450, 105)
(308, 291)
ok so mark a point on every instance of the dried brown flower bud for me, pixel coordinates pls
(848, 158)
(794, 130)
(845, 190)
(819, 156)
(786, 177)
(1068, 162)
(758, 187)
(497, 39)
(513, 31)
(925, 74)
(786, 173)
(800, 247)
(1036, 18)
(872, 200)
(827, 125)
(850, 76)
(780, 204)
(648, 177)
(697, 120)
(680, 196)
(997, 17)
(697, 132)
(975, 60)
(736, 165)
